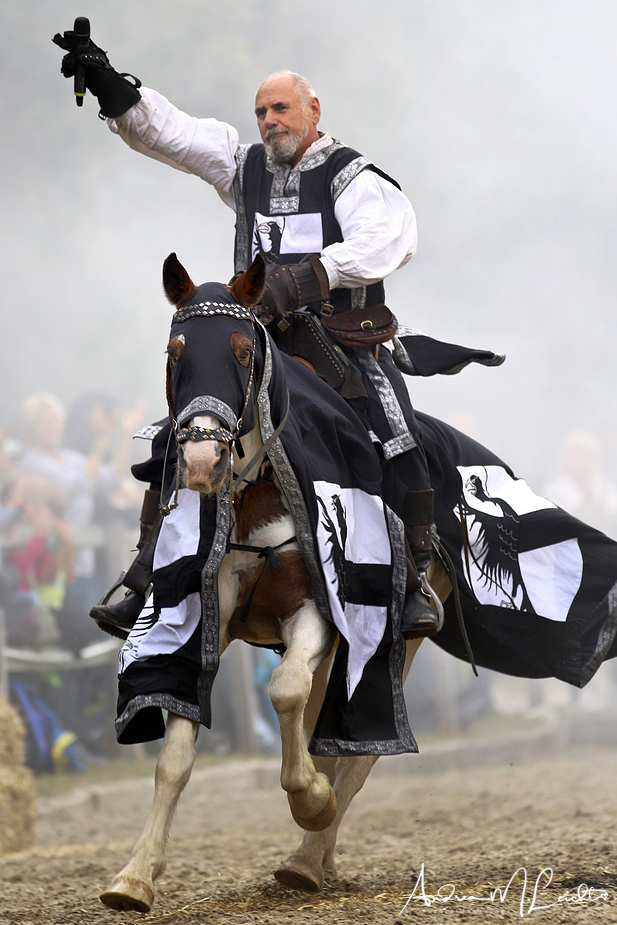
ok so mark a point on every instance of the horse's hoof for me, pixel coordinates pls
(319, 822)
(128, 895)
(295, 874)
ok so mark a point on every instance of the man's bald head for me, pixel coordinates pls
(299, 83)
(287, 113)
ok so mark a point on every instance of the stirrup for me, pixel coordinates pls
(119, 582)
(427, 590)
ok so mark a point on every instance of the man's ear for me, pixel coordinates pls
(315, 109)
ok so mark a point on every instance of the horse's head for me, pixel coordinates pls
(211, 369)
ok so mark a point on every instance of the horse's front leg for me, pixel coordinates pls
(308, 639)
(133, 889)
(314, 858)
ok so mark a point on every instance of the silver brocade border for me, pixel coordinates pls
(344, 177)
(163, 701)
(405, 741)
(241, 245)
(401, 356)
(210, 605)
(402, 440)
(206, 404)
(291, 489)
(285, 192)
(399, 648)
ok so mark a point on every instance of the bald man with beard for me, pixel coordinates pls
(330, 225)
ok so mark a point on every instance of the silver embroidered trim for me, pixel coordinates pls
(291, 489)
(402, 439)
(405, 741)
(210, 605)
(285, 192)
(210, 309)
(398, 445)
(398, 650)
(148, 432)
(404, 331)
(401, 357)
(318, 156)
(242, 244)
(163, 701)
(313, 157)
(281, 205)
(319, 152)
(344, 177)
(339, 748)
(207, 404)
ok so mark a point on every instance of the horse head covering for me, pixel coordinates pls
(211, 366)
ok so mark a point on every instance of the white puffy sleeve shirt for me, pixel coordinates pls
(376, 219)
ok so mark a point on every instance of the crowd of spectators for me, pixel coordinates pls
(64, 477)
(60, 475)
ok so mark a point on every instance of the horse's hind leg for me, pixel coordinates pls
(306, 867)
(309, 640)
(133, 889)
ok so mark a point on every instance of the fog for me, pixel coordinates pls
(496, 118)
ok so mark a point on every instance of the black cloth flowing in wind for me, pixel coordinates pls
(539, 588)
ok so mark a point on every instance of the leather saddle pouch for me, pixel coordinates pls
(361, 327)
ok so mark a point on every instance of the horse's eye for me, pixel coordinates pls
(242, 346)
(175, 348)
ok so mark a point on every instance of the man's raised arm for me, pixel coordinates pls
(148, 122)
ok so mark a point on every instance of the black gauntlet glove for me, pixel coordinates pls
(114, 92)
(290, 286)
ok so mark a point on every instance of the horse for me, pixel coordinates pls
(216, 436)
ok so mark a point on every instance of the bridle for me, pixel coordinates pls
(223, 435)
(220, 434)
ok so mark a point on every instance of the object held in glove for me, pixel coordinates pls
(114, 92)
(81, 30)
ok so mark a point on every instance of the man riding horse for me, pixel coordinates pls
(331, 226)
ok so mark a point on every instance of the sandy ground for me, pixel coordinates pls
(473, 829)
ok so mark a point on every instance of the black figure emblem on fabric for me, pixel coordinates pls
(495, 549)
(514, 552)
(337, 550)
(269, 232)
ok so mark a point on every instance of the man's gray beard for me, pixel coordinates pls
(285, 150)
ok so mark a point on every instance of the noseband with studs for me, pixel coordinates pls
(194, 432)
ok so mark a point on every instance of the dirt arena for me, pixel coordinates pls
(472, 829)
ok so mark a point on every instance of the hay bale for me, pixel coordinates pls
(12, 750)
(17, 809)
(17, 791)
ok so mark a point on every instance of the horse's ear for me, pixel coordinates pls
(249, 287)
(178, 285)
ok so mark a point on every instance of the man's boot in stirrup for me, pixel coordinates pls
(119, 619)
(419, 618)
